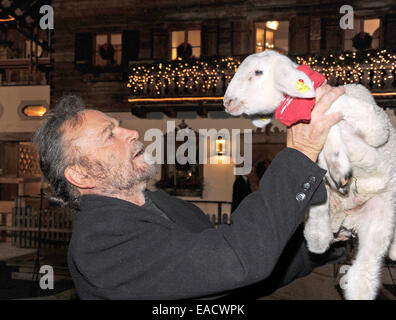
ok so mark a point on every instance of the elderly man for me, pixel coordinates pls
(131, 243)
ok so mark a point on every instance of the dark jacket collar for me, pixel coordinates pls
(178, 212)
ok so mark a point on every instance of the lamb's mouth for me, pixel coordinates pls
(235, 109)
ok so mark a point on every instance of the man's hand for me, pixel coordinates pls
(309, 138)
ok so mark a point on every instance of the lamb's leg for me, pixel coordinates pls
(392, 249)
(374, 224)
(367, 162)
(337, 159)
(317, 230)
(362, 113)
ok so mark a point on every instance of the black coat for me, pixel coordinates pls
(120, 250)
(240, 189)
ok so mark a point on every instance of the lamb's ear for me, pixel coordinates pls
(291, 81)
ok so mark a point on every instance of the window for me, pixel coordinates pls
(182, 179)
(192, 37)
(108, 49)
(272, 35)
(32, 110)
(371, 26)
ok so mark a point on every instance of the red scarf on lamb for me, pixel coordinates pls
(292, 110)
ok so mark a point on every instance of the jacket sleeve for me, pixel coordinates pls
(295, 262)
(154, 260)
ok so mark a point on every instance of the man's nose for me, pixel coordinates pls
(131, 135)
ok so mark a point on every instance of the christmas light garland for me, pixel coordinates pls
(375, 66)
(182, 74)
(371, 68)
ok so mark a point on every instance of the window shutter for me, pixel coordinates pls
(130, 46)
(160, 44)
(204, 41)
(83, 54)
(299, 35)
(389, 34)
(209, 38)
(240, 31)
(331, 38)
(225, 39)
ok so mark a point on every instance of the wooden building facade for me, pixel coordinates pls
(114, 55)
(149, 31)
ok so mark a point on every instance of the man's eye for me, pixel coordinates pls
(111, 135)
(259, 72)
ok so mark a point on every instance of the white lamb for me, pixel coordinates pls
(359, 156)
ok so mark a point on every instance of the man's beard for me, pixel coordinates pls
(125, 176)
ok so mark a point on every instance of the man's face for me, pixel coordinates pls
(114, 154)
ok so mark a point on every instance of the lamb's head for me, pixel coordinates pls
(261, 81)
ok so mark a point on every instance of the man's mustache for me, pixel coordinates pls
(137, 149)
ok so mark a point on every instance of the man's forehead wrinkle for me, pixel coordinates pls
(76, 121)
(75, 133)
(71, 124)
(89, 133)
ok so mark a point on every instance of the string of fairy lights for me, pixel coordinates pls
(182, 74)
(377, 67)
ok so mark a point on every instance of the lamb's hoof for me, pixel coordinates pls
(360, 286)
(343, 184)
(318, 243)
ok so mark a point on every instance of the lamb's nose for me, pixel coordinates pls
(227, 103)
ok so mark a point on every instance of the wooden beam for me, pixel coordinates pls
(16, 136)
(22, 63)
(202, 111)
(6, 206)
(34, 229)
(170, 112)
(139, 112)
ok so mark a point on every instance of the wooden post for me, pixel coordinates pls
(14, 213)
(219, 213)
(23, 225)
(29, 225)
(19, 224)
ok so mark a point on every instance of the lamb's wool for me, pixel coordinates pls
(359, 156)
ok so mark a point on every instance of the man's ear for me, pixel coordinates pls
(79, 177)
(291, 81)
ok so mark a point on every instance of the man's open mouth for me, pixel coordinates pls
(138, 153)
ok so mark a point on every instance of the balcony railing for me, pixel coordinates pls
(375, 69)
(193, 78)
(20, 72)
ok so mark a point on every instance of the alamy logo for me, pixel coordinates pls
(47, 278)
(47, 20)
(346, 21)
(344, 280)
(202, 150)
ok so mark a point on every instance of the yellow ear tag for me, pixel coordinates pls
(301, 86)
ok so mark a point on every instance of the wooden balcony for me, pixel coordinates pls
(21, 72)
(170, 87)
(199, 85)
(376, 70)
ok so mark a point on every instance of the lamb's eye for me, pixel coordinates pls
(259, 72)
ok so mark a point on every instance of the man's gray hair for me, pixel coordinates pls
(53, 148)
